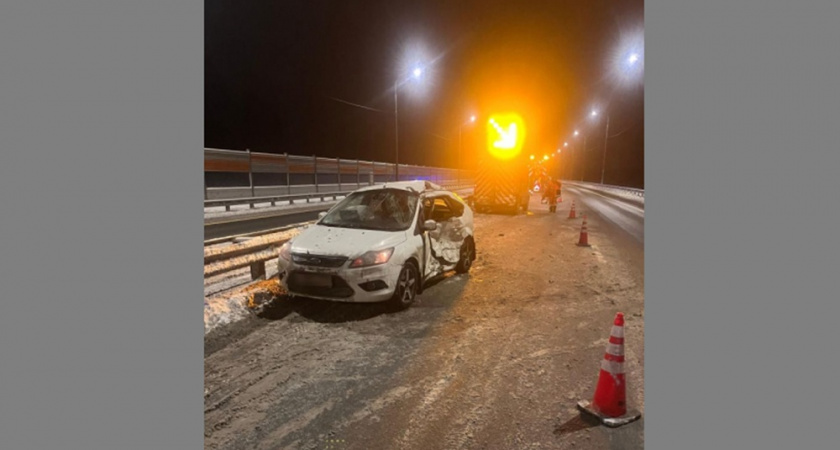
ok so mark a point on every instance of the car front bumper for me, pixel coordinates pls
(357, 285)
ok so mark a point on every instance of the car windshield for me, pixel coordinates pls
(381, 209)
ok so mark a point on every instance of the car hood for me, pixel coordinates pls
(350, 242)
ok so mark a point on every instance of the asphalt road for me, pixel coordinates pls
(495, 359)
(628, 216)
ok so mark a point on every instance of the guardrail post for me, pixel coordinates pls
(315, 165)
(288, 178)
(250, 174)
(258, 270)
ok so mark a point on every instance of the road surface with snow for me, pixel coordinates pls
(495, 359)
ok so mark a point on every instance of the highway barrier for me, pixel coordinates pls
(270, 174)
(632, 195)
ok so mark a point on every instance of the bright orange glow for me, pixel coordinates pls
(505, 135)
(545, 157)
(532, 157)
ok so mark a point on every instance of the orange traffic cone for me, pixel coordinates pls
(609, 403)
(572, 211)
(584, 236)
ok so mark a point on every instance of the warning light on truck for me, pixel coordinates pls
(505, 134)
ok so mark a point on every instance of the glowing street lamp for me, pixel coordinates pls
(415, 74)
(632, 60)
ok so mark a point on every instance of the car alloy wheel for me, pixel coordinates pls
(406, 290)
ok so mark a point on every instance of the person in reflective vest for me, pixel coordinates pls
(551, 192)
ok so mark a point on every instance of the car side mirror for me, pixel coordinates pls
(429, 225)
(321, 215)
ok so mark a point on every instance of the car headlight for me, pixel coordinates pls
(286, 251)
(373, 258)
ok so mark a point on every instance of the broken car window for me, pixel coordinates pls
(456, 206)
(441, 211)
(381, 209)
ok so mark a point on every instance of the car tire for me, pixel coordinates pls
(467, 257)
(406, 290)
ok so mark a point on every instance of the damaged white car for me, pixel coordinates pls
(381, 243)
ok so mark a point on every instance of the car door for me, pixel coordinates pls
(447, 238)
(431, 266)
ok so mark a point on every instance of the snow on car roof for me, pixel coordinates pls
(416, 186)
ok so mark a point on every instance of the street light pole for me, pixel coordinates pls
(581, 151)
(396, 135)
(604, 161)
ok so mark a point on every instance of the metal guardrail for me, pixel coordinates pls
(273, 199)
(254, 253)
(619, 192)
(635, 191)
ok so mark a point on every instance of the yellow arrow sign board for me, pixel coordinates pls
(505, 135)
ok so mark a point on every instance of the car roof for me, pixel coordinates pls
(418, 186)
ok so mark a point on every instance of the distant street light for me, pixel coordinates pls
(532, 157)
(632, 59)
(416, 73)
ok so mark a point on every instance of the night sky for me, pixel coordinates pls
(278, 74)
